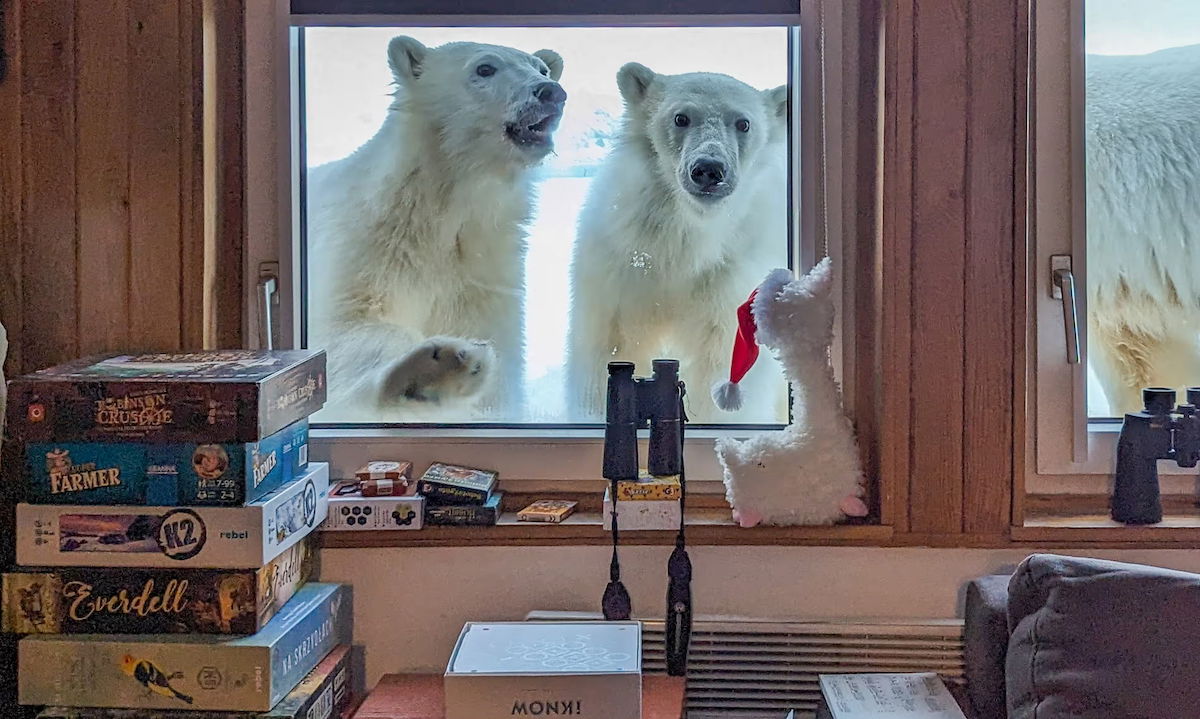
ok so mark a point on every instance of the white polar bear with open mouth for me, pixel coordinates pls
(416, 241)
(683, 220)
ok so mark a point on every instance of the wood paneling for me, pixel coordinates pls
(101, 192)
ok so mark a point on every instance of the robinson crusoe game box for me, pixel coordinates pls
(196, 671)
(197, 474)
(226, 396)
(325, 693)
(72, 535)
(153, 601)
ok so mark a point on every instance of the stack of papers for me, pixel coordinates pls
(880, 696)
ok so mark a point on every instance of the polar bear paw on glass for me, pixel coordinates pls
(809, 472)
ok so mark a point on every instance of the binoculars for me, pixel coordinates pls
(632, 403)
(1161, 430)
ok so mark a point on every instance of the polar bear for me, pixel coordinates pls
(682, 221)
(1143, 222)
(416, 241)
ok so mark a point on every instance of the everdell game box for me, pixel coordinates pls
(222, 396)
(194, 671)
(71, 535)
(103, 600)
(165, 474)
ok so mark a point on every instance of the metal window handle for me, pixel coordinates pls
(1064, 289)
(268, 297)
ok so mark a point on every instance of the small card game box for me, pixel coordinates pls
(448, 484)
(587, 670)
(551, 511)
(642, 514)
(380, 469)
(350, 510)
(220, 396)
(480, 515)
(57, 535)
(649, 487)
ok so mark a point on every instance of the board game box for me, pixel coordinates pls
(485, 514)
(325, 693)
(352, 511)
(196, 474)
(194, 671)
(71, 535)
(153, 601)
(448, 484)
(223, 396)
(649, 488)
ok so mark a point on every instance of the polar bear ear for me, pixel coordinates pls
(553, 61)
(406, 57)
(633, 80)
(777, 101)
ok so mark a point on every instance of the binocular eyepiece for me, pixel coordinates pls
(634, 402)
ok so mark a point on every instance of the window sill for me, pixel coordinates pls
(1085, 518)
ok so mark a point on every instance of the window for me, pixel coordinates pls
(764, 138)
(1115, 217)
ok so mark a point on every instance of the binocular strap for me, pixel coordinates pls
(616, 604)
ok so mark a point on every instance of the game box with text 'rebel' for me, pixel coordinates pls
(222, 396)
(180, 671)
(73, 535)
(105, 600)
(196, 474)
(325, 693)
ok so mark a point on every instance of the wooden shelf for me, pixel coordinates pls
(1085, 518)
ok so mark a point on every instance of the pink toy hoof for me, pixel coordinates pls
(852, 506)
(747, 518)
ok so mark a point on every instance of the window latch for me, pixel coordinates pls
(1062, 287)
(268, 299)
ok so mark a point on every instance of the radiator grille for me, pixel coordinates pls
(747, 669)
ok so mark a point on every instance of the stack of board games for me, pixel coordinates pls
(649, 502)
(382, 495)
(165, 537)
(460, 495)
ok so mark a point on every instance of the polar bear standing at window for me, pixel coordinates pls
(681, 222)
(416, 241)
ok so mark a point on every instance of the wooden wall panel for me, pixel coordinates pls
(101, 187)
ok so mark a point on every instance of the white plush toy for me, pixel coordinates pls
(808, 473)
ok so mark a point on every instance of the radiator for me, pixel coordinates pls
(761, 669)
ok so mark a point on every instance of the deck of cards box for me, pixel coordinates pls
(588, 670)
(165, 536)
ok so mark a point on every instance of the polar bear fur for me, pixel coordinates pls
(809, 472)
(416, 241)
(1143, 222)
(667, 250)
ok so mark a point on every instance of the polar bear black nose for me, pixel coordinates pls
(707, 173)
(550, 92)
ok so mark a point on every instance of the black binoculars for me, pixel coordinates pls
(1161, 430)
(632, 403)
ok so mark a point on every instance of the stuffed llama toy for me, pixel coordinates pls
(808, 473)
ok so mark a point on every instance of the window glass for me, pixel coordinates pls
(1143, 199)
(490, 215)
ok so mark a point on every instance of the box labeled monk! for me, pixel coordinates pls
(72, 535)
(196, 474)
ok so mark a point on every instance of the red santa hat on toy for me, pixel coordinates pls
(728, 395)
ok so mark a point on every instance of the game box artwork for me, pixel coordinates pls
(448, 484)
(223, 396)
(72, 535)
(165, 474)
(188, 671)
(483, 515)
(153, 601)
(325, 693)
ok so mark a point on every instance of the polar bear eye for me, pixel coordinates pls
(485, 70)
(682, 120)
(742, 125)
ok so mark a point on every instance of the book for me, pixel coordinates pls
(325, 693)
(448, 484)
(195, 671)
(223, 396)
(104, 600)
(547, 510)
(352, 511)
(879, 696)
(58, 535)
(197, 474)
(485, 514)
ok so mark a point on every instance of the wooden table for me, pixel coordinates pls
(419, 696)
